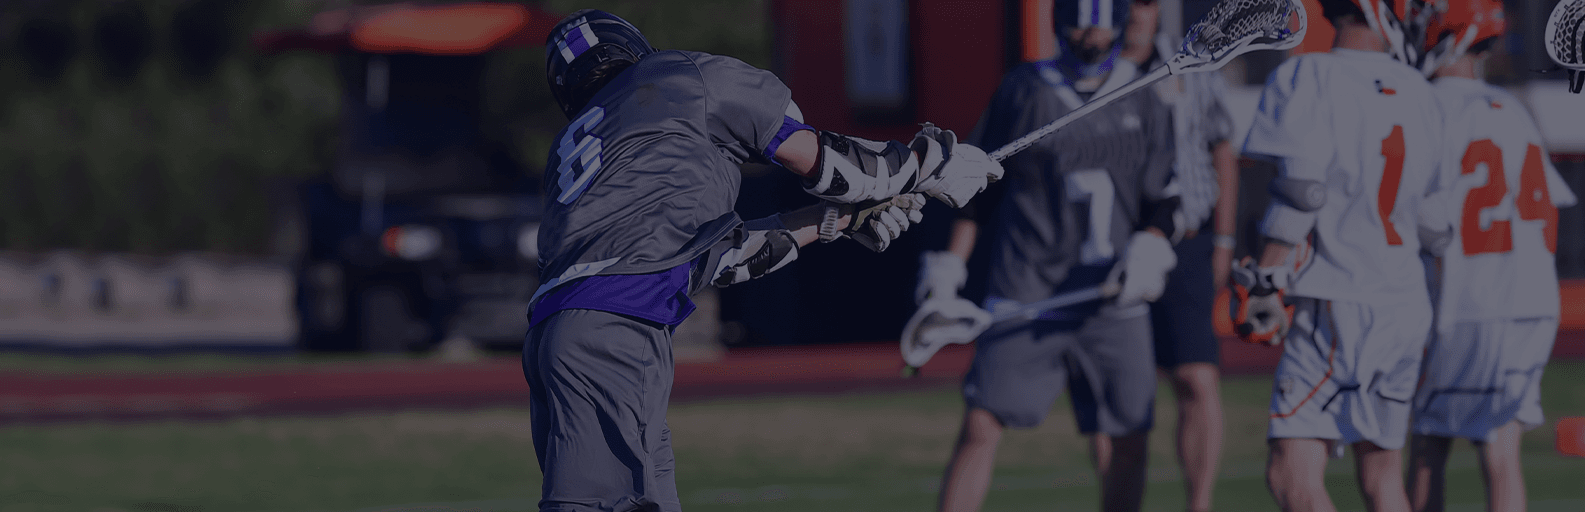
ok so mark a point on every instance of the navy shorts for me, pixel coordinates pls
(598, 387)
(1181, 319)
(1021, 367)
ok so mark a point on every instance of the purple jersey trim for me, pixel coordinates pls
(661, 297)
(788, 127)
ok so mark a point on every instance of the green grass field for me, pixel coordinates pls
(858, 452)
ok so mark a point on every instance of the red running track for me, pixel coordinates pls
(391, 386)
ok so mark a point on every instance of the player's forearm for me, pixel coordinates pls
(804, 223)
(965, 233)
(1275, 253)
(1226, 164)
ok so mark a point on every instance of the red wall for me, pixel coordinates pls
(958, 52)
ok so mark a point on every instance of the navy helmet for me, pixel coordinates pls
(1111, 14)
(587, 49)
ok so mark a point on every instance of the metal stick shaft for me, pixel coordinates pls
(1035, 308)
(1095, 103)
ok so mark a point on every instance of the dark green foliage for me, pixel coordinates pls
(153, 126)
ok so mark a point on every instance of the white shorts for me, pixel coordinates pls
(1348, 372)
(1482, 376)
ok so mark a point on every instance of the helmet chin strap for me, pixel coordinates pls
(1074, 68)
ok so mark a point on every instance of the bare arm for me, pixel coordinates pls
(965, 233)
(1226, 213)
(804, 223)
(1275, 253)
(799, 153)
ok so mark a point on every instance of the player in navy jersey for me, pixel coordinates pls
(641, 188)
(1088, 205)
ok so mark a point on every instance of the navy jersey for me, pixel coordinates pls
(1072, 200)
(644, 179)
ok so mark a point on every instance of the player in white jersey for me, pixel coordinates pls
(1498, 305)
(1354, 135)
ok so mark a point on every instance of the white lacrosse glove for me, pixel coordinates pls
(1142, 275)
(1260, 313)
(875, 223)
(941, 274)
(876, 226)
(951, 171)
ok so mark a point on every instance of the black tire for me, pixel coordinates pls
(324, 319)
(386, 320)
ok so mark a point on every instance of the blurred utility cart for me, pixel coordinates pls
(423, 228)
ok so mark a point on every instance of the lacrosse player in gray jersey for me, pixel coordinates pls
(641, 188)
(1088, 206)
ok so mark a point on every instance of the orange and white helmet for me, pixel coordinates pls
(1455, 26)
(1383, 18)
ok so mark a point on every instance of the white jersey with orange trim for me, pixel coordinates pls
(1368, 128)
(1503, 194)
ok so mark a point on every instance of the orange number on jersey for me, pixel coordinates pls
(1498, 238)
(1534, 202)
(1392, 175)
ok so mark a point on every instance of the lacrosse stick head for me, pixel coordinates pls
(938, 323)
(1565, 40)
(1237, 27)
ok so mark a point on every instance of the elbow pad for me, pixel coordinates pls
(851, 169)
(756, 248)
(1302, 195)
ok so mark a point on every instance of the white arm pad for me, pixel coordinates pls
(756, 248)
(853, 169)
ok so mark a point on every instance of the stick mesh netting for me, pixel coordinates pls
(1232, 21)
(1568, 34)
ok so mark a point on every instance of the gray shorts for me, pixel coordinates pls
(1107, 365)
(598, 386)
(1348, 371)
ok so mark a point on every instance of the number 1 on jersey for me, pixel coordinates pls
(1391, 177)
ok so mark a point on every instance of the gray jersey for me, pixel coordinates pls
(645, 178)
(1073, 199)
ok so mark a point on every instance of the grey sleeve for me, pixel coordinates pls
(746, 105)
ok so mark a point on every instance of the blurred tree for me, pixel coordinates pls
(123, 40)
(150, 126)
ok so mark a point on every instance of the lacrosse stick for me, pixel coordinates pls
(1232, 28)
(948, 321)
(1565, 40)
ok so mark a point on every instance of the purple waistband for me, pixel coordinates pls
(661, 297)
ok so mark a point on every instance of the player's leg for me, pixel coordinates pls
(1114, 390)
(1188, 350)
(1296, 474)
(1501, 470)
(598, 376)
(1482, 383)
(1121, 463)
(1304, 421)
(1199, 432)
(973, 462)
(1385, 368)
(1428, 472)
(657, 434)
(1018, 372)
(1380, 474)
